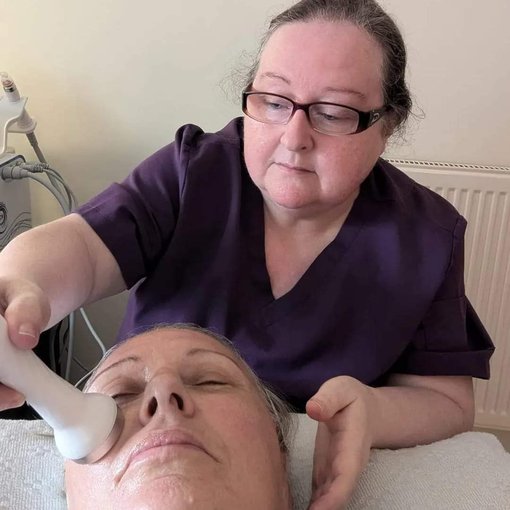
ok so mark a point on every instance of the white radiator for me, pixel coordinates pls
(482, 195)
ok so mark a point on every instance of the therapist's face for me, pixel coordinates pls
(295, 167)
(197, 433)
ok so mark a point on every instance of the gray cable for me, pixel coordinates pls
(54, 192)
(70, 347)
(86, 375)
(53, 361)
(53, 178)
(58, 181)
(38, 152)
(93, 331)
(70, 195)
(71, 199)
(35, 145)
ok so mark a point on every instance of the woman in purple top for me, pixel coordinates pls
(339, 279)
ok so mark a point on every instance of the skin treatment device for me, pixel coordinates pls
(86, 425)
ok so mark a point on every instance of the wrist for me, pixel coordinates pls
(375, 416)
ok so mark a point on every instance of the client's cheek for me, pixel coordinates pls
(117, 455)
(257, 438)
(102, 470)
(87, 485)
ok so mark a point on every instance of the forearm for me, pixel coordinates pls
(66, 260)
(408, 415)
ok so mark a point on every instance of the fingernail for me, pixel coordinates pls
(27, 330)
(17, 403)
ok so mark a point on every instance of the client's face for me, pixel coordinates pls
(197, 434)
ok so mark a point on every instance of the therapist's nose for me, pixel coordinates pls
(165, 394)
(297, 134)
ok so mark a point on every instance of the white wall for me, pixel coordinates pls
(459, 73)
(111, 80)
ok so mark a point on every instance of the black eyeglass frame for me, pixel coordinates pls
(366, 119)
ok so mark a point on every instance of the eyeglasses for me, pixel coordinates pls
(328, 118)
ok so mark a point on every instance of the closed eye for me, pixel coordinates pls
(122, 397)
(211, 382)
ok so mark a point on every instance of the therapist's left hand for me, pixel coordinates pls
(343, 406)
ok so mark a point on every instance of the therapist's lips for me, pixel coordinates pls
(295, 168)
(162, 438)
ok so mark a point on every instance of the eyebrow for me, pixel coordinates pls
(341, 90)
(133, 359)
(137, 359)
(201, 350)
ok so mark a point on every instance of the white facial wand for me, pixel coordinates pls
(86, 425)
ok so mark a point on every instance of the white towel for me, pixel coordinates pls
(468, 472)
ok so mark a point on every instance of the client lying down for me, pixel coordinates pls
(200, 430)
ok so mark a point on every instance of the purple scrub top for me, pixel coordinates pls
(387, 295)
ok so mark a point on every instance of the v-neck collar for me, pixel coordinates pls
(311, 281)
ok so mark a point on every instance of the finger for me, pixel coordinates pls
(334, 494)
(342, 452)
(321, 457)
(335, 439)
(335, 457)
(330, 500)
(337, 488)
(333, 396)
(10, 398)
(27, 314)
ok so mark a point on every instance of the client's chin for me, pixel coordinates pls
(184, 461)
(177, 492)
(166, 492)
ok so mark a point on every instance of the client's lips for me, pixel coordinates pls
(165, 438)
(162, 438)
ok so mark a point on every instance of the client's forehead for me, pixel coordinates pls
(167, 345)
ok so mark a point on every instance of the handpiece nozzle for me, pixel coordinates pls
(86, 425)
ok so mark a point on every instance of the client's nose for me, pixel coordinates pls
(165, 394)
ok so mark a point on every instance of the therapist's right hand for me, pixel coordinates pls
(26, 310)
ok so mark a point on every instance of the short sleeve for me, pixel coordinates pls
(137, 217)
(451, 339)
